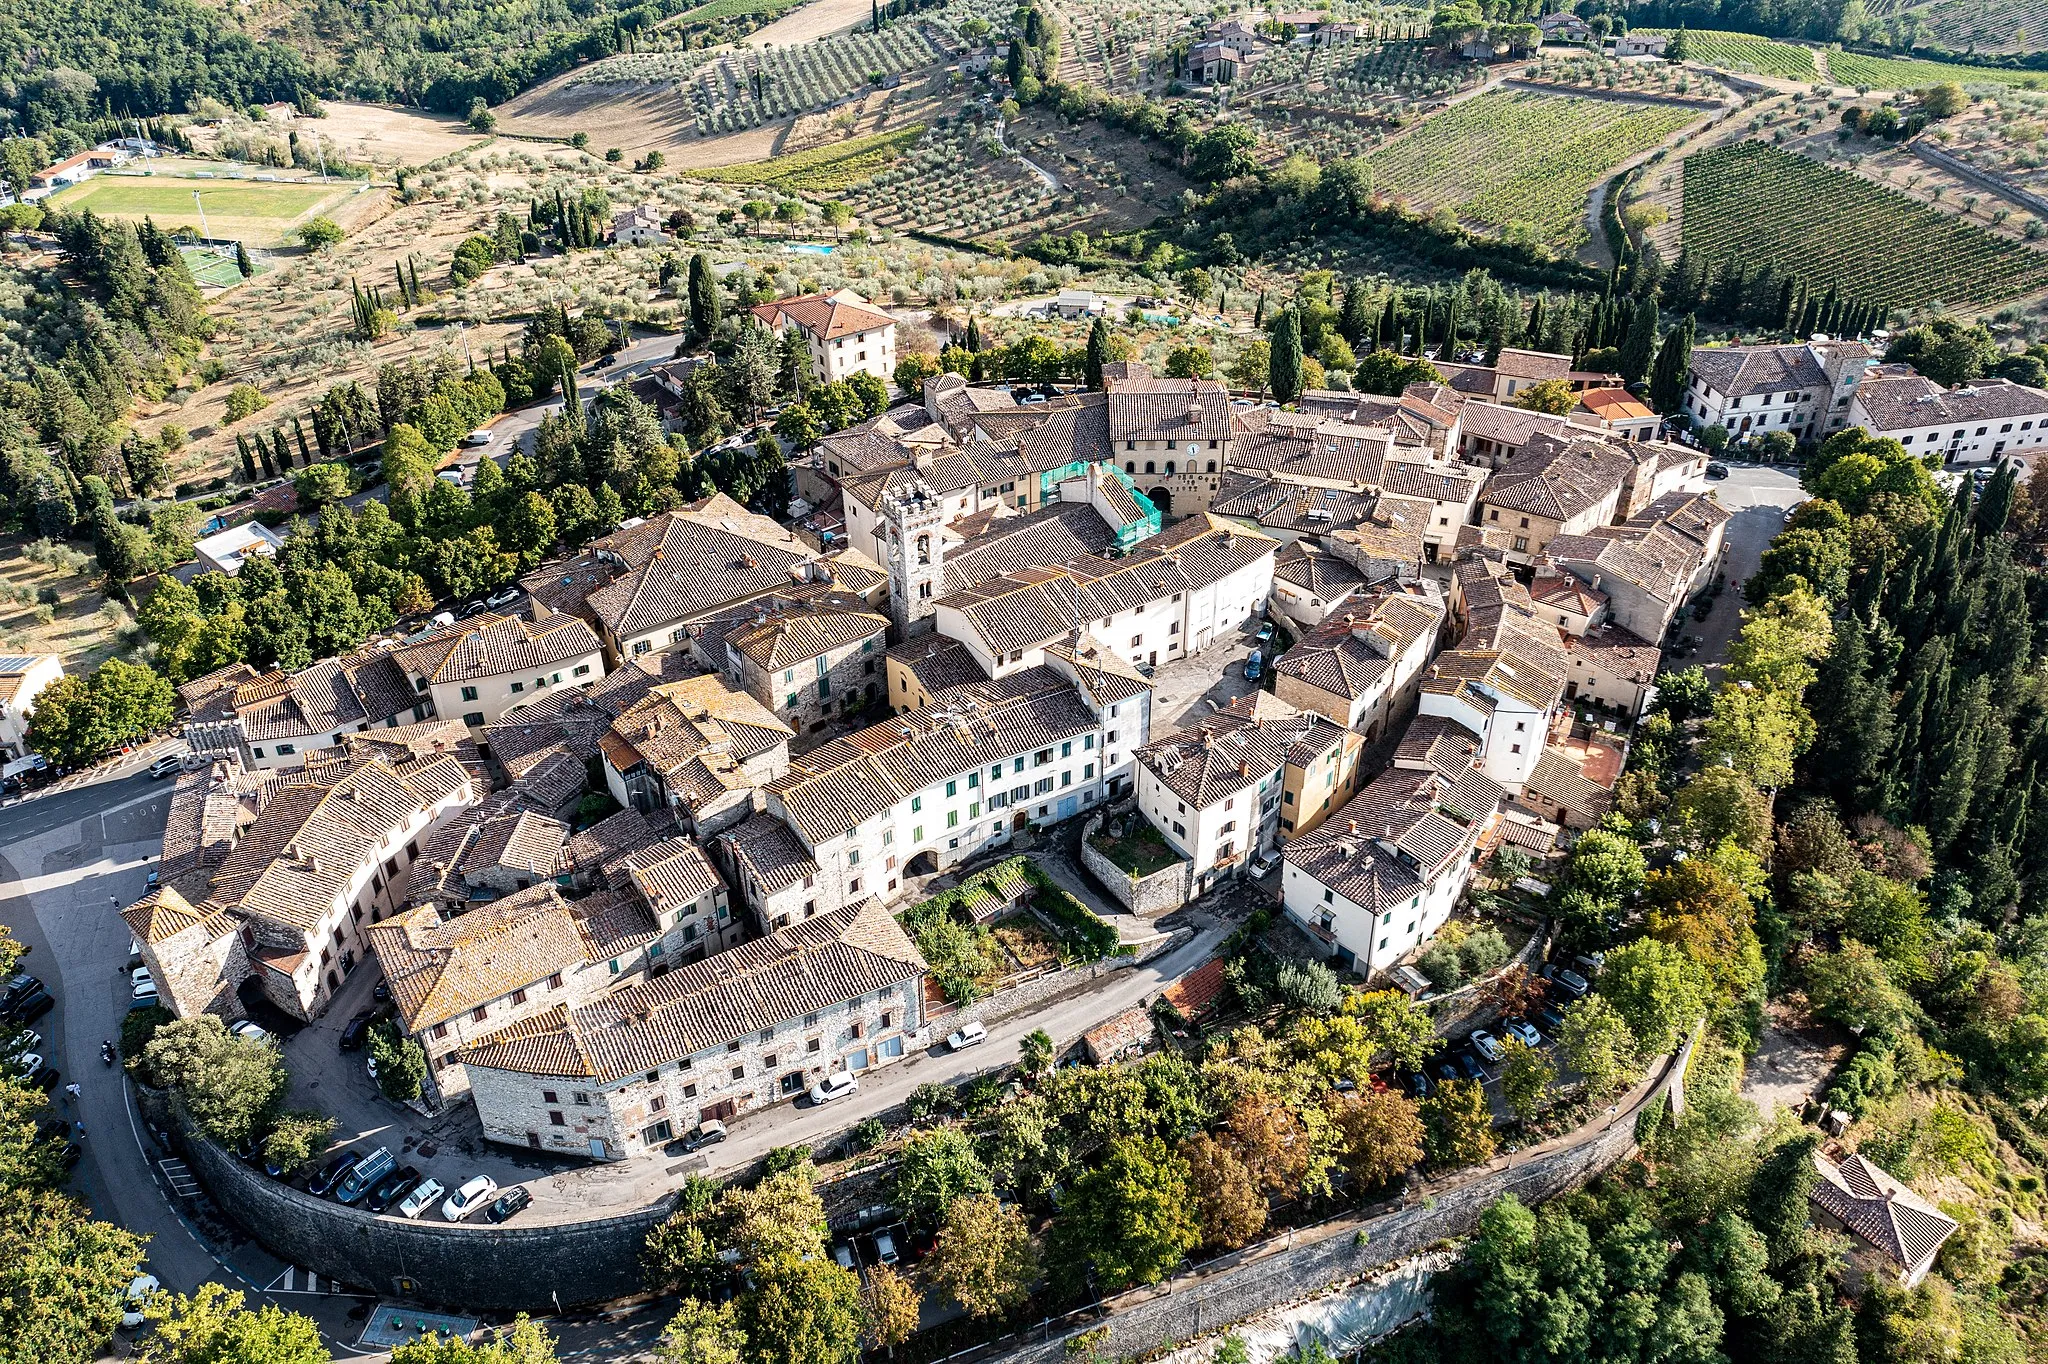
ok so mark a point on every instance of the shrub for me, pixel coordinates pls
(782, 1158)
(1482, 951)
(244, 399)
(138, 1026)
(401, 1064)
(1440, 963)
(867, 1134)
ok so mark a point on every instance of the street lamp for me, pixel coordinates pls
(202, 214)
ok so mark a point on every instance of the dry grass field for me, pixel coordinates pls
(260, 212)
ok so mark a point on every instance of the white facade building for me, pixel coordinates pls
(846, 335)
(1973, 424)
(1215, 796)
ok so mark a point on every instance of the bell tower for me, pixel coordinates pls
(912, 515)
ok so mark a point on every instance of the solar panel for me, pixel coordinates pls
(20, 663)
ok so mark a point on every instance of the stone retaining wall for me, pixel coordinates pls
(1303, 1264)
(1982, 179)
(482, 1268)
(1035, 992)
(1161, 892)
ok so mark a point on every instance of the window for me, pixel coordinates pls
(440, 1030)
(952, 819)
(555, 1118)
(580, 1099)
(518, 686)
(952, 788)
(582, 670)
(518, 997)
(287, 748)
(469, 693)
(480, 1013)
(555, 981)
(474, 719)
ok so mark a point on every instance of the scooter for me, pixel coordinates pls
(108, 1054)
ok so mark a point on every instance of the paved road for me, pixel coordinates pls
(1759, 495)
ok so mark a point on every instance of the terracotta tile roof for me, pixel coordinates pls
(764, 851)
(295, 860)
(1213, 761)
(356, 690)
(1553, 588)
(1538, 365)
(938, 661)
(798, 635)
(614, 923)
(1438, 743)
(1285, 505)
(440, 968)
(825, 316)
(1316, 571)
(1614, 405)
(1904, 1227)
(1097, 669)
(1738, 371)
(839, 784)
(1111, 1041)
(1618, 651)
(1348, 655)
(1391, 839)
(520, 841)
(1509, 672)
(810, 967)
(670, 873)
(700, 721)
(1178, 410)
(1195, 993)
(1557, 779)
(494, 646)
(1054, 534)
(1558, 478)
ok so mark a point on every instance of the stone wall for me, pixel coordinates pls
(482, 1268)
(1164, 890)
(1982, 179)
(1302, 1264)
(1035, 992)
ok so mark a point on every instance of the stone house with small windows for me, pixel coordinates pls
(1214, 793)
(477, 669)
(1360, 667)
(1973, 424)
(1554, 487)
(1895, 1234)
(808, 662)
(641, 1065)
(1383, 874)
(698, 749)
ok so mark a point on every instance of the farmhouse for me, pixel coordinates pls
(1895, 1233)
(845, 334)
(479, 668)
(638, 225)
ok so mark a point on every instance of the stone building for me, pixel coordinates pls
(753, 1027)
(274, 719)
(696, 747)
(808, 662)
(1360, 668)
(476, 670)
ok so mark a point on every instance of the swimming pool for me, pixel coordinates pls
(810, 248)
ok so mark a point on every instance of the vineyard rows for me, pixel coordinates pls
(1504, 159)
(1893, 73)
(1747, 52)
(1987, 25)
(820, 170)
(1755, 205)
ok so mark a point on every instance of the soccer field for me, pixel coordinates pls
(259, 212)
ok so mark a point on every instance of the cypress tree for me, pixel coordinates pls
(243, 264)
(279, 449)
(1284, 369)
(705, 300)
(263, 454)
(973, 334)
(1356, 315)
(299, 432)
(1259, 313)
(248, 461)
(1674, 360)
(1638, 347)
(1389, 335)
(1098, 353)
(1532, 335)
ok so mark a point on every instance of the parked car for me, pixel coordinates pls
(136, 1299)
(1551, 1019)
(1418, 1084)
(1716, 469)
(249, 1032)
(167, 766)
(32, 1006)
(43, 1077)
(1572, 983)
(1262, 865)
(1447, 1069)
(709, 1132)
(886, 1251)
(477, 438)
(1253, 665)
(356, 1032)
(333, 1173)
(422, 1197)
(971, 1034)
(502, 597)
(1522, 1032)
(1483, 1042)
(837, 1085)
(391, 1188)
(509, 1203)
(367, 1175)
(842, 1255)
(16, 989)
(469, 1198)
(1264, 632)
(1469, 1064)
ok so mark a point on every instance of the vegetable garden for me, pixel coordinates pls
(1522, 161)
(1755, 205)
(1747, 52)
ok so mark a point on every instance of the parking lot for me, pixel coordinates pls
(1183, 689)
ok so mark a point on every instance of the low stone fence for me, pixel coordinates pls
(483, 1268)
(1305, 1263)
(1157, 893)
(1034, 992)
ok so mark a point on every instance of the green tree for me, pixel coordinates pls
(1284, 368)
(1389, 373)
(700, 1333)
(984, 1256)
(1658, 991)
(1673, 370)
(213, 1326)
(296, 1140)
(781, 1218)
(1457, 1125)
(527, 1342)
(1252, 369)
(802, 1312)
(530, 528)
(1231, 1207)
(1097, 354)
(1597, 1042)
(318, 232)
(1554, 396)
(1131, 1217)
(1380, 1136)
(707, 303)
(1638, 346)
(401, 1063)
(1525, 1078)
(1190, 361)
(937, 1167)
(228, 1086)
(320, 484)
(889, 1307)
(63, 1278)
(1035, 1054)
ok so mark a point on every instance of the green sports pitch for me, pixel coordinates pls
(261, 212)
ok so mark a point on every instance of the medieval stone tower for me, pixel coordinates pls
(913, 515)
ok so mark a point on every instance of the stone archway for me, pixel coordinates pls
(1161, 499)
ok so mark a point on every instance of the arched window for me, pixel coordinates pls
(1169, 466)
(1151, 466)
(924, 549)
(1130, 466)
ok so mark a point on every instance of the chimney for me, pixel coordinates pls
(1243, 768)
(1350, 826)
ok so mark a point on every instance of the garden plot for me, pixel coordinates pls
(1522, 162)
